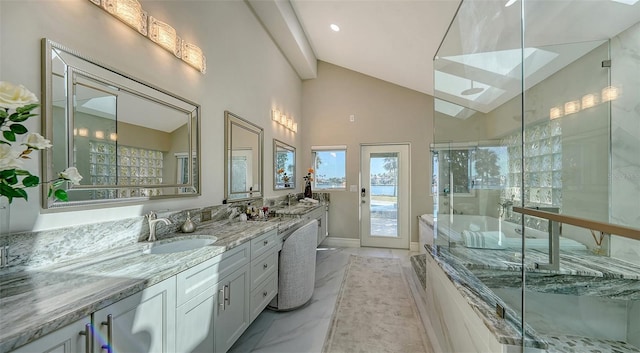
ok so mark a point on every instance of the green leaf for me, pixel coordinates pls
(3, 114)
(18, 129)
(21, 193)
(27, 108)
(12, 180)
(61, 195)
(18, 118)
(2, 118)
(21, 172)
(9, 136)
(30, 181)
(57, 183)
(8, 173)
(50, 191)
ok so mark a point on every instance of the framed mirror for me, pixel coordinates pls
(284, 166)
(242, 159)
(128, 139)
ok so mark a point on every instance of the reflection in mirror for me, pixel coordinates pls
(129, 140)
(284, 166)
(243, 158)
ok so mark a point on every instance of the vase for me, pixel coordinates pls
(307, 190)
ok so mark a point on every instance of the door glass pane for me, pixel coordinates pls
(383, 205)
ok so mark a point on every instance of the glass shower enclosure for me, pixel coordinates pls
(536, 168)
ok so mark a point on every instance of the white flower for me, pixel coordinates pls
(36, 141)
(9, 159)
(72, 175)
(12, 96)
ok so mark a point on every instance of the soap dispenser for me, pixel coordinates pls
(188, 226)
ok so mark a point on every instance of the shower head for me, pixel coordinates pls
(472, 90)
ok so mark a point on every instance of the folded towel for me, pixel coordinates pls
(483, 240)
(308, 200)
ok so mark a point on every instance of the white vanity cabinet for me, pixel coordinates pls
(143, 322)
(212, 308)
(321, 215)
(73, 338)
(264, 271)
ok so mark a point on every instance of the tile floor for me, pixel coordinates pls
(304, 330)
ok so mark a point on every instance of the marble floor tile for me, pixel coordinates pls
(304, 330)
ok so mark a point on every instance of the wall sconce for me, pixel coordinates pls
(113, 136)
(99, 134)
(571, 107)
(555, 113)
(161, 33)
(283, 120)
(129, 12)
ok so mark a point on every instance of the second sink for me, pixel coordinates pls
(180, 245)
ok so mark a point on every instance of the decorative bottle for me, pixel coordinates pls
(188, 226)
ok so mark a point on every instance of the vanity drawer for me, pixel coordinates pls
(197, 279)
(262, 267)
(261, 244)
(261, 296)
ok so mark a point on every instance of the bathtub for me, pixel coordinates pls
(449, 230)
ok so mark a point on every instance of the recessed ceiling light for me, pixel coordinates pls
(335, 27)
(510, 2)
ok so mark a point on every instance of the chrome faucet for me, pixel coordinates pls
(289, 196)
(152, 217)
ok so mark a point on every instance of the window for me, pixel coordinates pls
(330, 165)
(462, 169)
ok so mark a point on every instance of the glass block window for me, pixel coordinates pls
(542, 168)
(122, 165)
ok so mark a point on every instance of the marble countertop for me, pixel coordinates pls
(38, 301)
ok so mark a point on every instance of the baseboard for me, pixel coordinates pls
(341, 242)
(355, 243)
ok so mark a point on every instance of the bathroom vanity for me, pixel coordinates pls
(201, 299)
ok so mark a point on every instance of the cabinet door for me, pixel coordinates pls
(232, 318)
(141, 323)
(69, 339)
(195, 323)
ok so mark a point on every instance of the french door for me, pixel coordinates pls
(384, 196)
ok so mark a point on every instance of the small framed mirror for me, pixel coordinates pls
(284, 166)
(242, 159)
(129, 140)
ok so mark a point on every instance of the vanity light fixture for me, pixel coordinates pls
(589, 100)
(609, 93)
(555, 113)
(113, 136)
(283, 120)
(165, 36)
(275, 115)
(83, 131)
(99, 134)
(161, 33)
(295, 127)
(129, 12)
(571, 107)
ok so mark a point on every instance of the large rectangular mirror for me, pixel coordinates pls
(242, 159)
(129, 140)
(284, 166)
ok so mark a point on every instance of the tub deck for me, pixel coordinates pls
(475, 271)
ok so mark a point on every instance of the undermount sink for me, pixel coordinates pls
(180, 245)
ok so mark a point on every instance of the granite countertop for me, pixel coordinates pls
(38, 301)
(299, 209)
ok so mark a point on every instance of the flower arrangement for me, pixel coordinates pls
(309, 176)
(284, 176)
(14, 179)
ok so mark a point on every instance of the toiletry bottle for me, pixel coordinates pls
(188, 226)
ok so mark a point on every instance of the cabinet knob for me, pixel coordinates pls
(265, 266)
(264, 294)
(265, 242)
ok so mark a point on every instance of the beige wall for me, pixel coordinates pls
(246, 74)
(384, 113)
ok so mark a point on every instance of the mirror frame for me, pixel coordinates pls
(279, 144)
(193, 136)
(230, 120)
